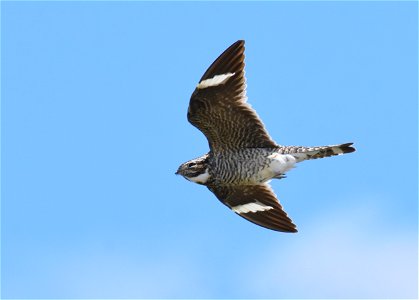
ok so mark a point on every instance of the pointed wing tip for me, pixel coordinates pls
(293, 230)
(226, 60)
(289, 228)
(239, 45)
(275, 222)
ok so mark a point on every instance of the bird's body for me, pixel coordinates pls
(243, 166)
(242, 158)
(240, 167)
(249, 166)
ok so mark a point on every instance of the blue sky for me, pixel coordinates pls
(94, 99)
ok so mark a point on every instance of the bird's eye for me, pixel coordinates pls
(190, 165)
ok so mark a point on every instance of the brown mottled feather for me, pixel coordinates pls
(234, 195)
(221, 111)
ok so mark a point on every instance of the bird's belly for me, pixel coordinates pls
(254, 170)
(277, 165)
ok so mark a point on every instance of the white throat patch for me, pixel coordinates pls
(201, 178)
(214, 81)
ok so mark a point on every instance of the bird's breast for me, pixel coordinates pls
(246, 166)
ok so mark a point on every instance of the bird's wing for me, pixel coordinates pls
(218, 105)
(255, 203)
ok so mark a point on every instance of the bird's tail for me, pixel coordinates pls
(305, 153)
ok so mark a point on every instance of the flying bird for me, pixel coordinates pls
(243, 158)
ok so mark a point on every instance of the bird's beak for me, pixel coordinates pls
(177, 172)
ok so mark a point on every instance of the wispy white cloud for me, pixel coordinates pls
(338, 256)
(344, 253)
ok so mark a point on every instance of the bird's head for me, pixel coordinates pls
(195, 170)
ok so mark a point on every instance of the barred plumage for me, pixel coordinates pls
(242, 157)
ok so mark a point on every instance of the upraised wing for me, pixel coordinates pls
(218, 105)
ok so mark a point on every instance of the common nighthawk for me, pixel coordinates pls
(242, 157)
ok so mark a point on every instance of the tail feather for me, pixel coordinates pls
(305, 153)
